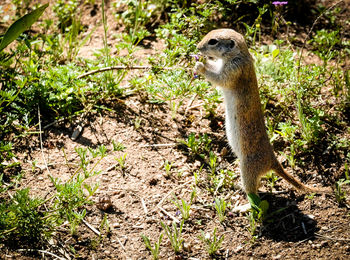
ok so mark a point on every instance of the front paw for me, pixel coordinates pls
(199, 68)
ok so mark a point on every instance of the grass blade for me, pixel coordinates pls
(21, 25)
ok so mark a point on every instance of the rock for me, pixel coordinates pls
(187, 247)
(311, 216)
(104, 203)
(238, 249)
(116, 225)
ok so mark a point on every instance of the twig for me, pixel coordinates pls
(302, 241)
(190, 103)
(41, 141)
(120, 243)
(112, 167)
(168, 214)
(54, 122)
(169, 193)
(159, 145)
(140, 198)
(140, 227)
(195, 106)
(91, 227)
(144, 206)
(42, 251)
(199, 208)
(122, 68)
(331, 238)
(112, 68)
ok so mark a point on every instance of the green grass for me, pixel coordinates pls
(154, 250)
(212, 242)
(174, 234)
(25, 219)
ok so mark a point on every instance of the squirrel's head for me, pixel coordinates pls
(223, 44)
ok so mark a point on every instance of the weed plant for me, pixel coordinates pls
(154, 250)
(21, 220)
(220, 206)
(271, 178)
(212, 242)
(167, 168)
(183, 206)
(118, 146)
(340, 194)
(293, 88)
(26, 220)
(122, 162)
(198, 146)
(174, 234)
(257, 214)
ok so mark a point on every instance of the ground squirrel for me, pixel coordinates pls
(229, 65)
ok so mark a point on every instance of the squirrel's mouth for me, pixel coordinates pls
(202, 57)
(207, 57)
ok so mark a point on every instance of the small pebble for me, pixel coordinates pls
(238, 249)
(185, 174)
(116, 225)
(197, 164)
(187, 247)
(324, 243)
(311, 216)
(104, 203)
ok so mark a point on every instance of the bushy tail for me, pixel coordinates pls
(277, 168)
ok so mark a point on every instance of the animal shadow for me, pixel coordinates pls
(286, 222)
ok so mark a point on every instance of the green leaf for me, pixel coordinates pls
(264, 206)
(21, 25)
(254, 200)
(275, 52)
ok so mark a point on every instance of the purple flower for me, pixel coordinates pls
(196, 56)
(276, 3)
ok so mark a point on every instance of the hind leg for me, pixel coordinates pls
(250, 181)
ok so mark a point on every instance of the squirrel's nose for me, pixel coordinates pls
(200, 47)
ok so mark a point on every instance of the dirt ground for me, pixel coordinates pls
(309, 228)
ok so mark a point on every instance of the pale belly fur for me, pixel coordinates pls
(232, 131)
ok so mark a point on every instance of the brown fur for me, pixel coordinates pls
(236, 76)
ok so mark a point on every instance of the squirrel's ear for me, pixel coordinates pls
(232, 44)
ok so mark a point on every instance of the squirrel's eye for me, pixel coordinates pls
(213, 42)
(232, 44)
